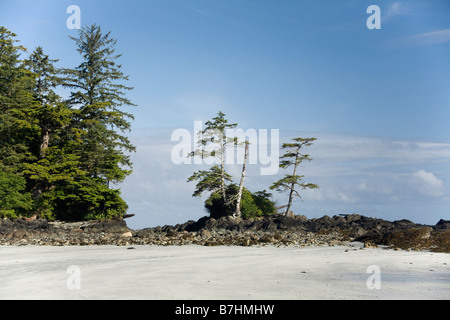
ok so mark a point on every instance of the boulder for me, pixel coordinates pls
(107, 226)
(126, 234)
(404, 224)
(352, 217)
(443, 224)
(267, 238)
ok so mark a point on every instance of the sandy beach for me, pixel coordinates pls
(222, 272)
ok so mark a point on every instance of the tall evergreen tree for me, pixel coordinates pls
(55, 165)
(98, 94)
(48, 107)
(213, 142)
(97, 98)
(17, 124)
(57, 158)
(17, 127)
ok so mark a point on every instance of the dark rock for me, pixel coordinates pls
(300, 218)
(200, 224)
(352, 217)
(144, 232)
(340, 222)
(171, 233)
(276, 229)
(404, 224)
(443, 224)
(107, 226)
(256, 225)
(186, 225)
(287, 223)
(267, 238)
(357, 232)
(270, 226)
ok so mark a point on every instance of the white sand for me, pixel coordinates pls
(196, 272)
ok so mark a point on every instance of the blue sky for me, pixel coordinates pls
(378, 100)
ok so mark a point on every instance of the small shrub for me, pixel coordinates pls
(252, 205)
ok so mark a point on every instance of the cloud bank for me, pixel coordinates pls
(385, 178)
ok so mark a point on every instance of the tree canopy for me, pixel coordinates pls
(59, 155)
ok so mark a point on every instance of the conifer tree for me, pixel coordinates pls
(293, 157)
(54, 164)
(98, 94)
(17, 126)
(226, 198)
(16, 102)
(213, 142)
(57, 158)
(97, 98)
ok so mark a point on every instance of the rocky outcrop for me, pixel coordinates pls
(275, 230)
(443, 224)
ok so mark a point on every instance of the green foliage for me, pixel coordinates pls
(252, 205)
(249, 208)
(17, 122)
(289, 181)
(13, 202)
(58, 158)
(208, 180)
(98, 95)
(212, 142)
(88, 199)
(293, 157)
(262, 200)
(216, 207)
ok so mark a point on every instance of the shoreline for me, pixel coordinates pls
(270, 230)
(195, 272)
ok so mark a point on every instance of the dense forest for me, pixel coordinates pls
(60, 157)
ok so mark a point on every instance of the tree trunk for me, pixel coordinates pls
(237, 213)
(44, 142)
(38, 189)
(291, 193)
(222, 170)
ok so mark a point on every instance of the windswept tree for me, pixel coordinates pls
(226, 198)
(209, 180)
(212, 143)
(293, 158)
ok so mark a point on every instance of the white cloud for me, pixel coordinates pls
(397, 9)
(352, 172)
(424, 39)
(394, 9)
(429, 184)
